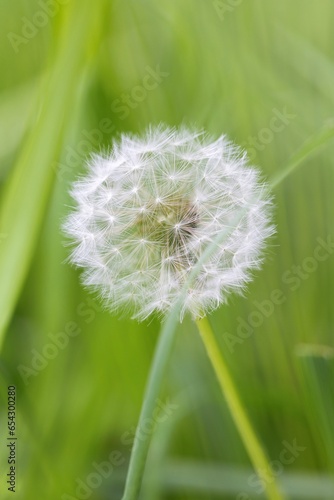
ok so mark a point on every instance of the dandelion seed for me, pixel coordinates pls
(153, 206)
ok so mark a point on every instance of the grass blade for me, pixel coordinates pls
(30, 183)
(308, 149)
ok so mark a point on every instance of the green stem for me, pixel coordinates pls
(155, 380)
(239, 415)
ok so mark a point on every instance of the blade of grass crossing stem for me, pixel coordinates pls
(218, 480)
(26, 194)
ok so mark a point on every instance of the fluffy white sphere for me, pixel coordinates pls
(146, 212)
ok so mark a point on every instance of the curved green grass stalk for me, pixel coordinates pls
(308, 149)
(239, 415)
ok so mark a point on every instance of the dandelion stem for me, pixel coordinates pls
(239, 415)
(155, 380)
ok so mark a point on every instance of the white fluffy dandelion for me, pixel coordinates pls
(148, 210)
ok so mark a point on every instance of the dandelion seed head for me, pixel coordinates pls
(146, 212)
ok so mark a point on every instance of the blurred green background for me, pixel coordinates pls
(74, 75)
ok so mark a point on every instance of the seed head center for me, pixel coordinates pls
(169, 224)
